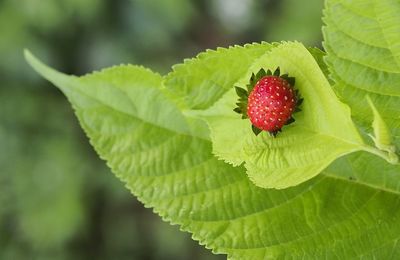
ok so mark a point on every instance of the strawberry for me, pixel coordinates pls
(269, 101)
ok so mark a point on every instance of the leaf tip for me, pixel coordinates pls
(34, 62)
(29, 56)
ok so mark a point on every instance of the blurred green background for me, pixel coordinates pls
(57, 199)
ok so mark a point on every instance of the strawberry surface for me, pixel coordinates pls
(271, 103)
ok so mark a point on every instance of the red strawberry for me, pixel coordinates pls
(271, 102)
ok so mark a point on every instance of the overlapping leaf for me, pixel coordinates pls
(300, 152)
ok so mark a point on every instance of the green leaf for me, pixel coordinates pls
(367, 169)
(199, 82)
(174, 172)
(323, 130)
(382, 136)
(319, 56)
(362, 40)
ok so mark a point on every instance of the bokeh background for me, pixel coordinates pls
(57, 199)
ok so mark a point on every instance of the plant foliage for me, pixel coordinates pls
(159, 135)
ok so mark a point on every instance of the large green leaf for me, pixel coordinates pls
(362, 40)
(364, 64)
(323, 130)
(174, 172)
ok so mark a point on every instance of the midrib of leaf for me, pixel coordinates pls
(357, 146)
(358, 182)
(334, 137)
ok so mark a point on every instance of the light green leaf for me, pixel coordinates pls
(362, 40)
(382, 136)
(323, 130)
(367, 169)
(329, 217)
(199, 82)
(319, 57)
